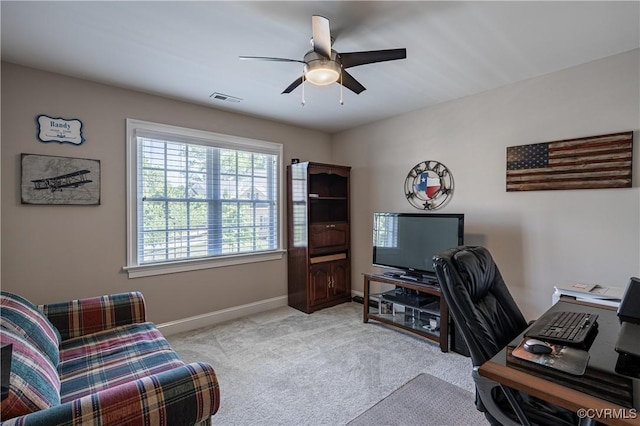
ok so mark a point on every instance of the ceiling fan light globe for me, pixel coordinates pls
(322, 77)
(322, 73)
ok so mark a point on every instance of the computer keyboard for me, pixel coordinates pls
(565, 328)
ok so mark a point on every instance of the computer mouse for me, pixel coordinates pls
(536, 346)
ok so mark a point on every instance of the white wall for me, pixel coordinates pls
(541, 238)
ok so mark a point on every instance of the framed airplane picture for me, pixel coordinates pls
(47, 179)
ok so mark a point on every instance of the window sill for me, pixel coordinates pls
(139, 271)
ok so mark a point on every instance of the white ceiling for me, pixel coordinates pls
(188, 50)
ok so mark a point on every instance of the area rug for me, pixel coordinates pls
(424, 400)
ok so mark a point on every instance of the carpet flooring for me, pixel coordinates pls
(284, 367)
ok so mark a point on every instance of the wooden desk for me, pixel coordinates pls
(441, 310)
(573, 392)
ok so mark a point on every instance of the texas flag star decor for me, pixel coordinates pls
(429, 185)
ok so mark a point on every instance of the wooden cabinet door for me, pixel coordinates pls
(329, 280)
(328, 237)
(339, 278)
(319, 283)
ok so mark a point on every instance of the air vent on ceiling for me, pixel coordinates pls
(222, 97)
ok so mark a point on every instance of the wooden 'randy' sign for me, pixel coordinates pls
(59, 130)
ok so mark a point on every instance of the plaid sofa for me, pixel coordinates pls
(96, 361)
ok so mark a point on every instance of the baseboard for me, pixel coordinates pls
(212, 318)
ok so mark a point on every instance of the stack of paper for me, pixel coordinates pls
(594, 293)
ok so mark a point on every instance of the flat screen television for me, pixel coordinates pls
(407, 242)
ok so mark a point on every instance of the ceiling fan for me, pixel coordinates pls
(323, 65)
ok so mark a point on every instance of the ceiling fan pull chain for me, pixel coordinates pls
(303, 80)
(341, 86)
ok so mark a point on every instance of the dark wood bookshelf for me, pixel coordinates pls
(319, 256)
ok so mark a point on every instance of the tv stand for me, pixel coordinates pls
(413, 313)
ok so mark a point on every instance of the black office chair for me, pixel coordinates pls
(489, 319)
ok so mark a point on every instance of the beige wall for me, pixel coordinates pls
(539, 239)
(52, 253)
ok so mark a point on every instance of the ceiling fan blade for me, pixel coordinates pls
(264, 58)
(351, 83)
(293, 85)
(354, 59)
(321, 35)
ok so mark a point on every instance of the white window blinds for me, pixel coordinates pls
(199, 198)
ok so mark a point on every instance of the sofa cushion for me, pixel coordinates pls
(23, 318)
(102, 360)
(33, 384)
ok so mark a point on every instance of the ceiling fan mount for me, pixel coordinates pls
(323, 65)
(332, 40)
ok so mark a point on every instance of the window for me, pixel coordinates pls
(385, 230)
(198, 199)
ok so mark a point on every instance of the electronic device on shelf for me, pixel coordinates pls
(566, 328)
(407, 242)
(408, 297)
(393, 274)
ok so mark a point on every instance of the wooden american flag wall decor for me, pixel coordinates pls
(585, 163)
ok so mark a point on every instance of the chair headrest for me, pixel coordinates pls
(477, 270)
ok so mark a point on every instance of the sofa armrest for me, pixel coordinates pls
(84, 316)
(186, 395)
